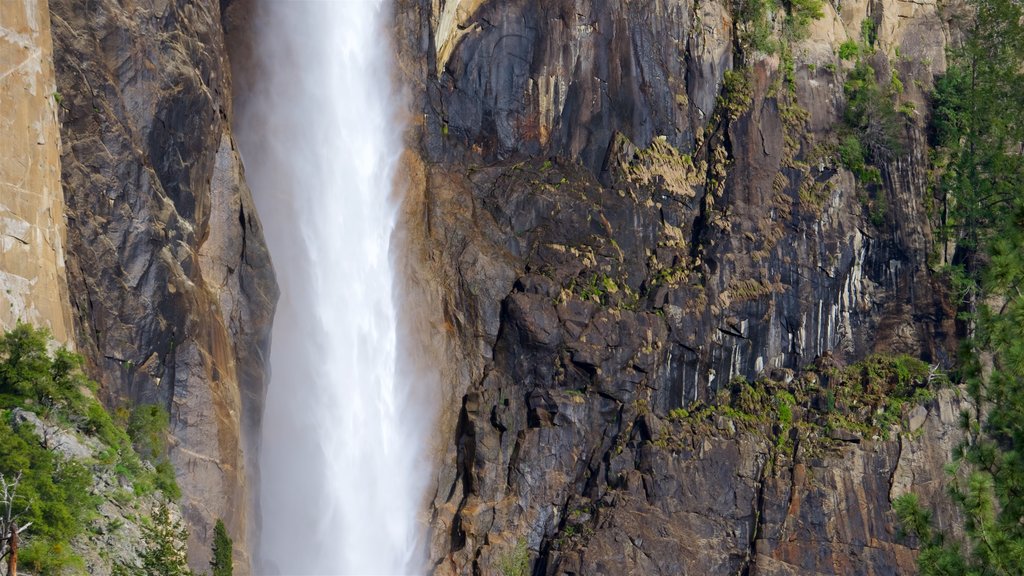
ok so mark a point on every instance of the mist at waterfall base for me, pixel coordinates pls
(342, 469)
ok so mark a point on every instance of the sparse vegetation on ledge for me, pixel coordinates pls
(823, 405)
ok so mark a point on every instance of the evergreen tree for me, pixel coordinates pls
(979, 126)
(165, 555)
(221, 563)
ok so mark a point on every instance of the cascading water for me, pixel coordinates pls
(341, 466)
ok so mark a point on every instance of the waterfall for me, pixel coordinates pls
(341, 457)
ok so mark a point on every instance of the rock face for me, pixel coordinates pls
(605, 227)
(172, 288)
(32, 224)
(616, 228)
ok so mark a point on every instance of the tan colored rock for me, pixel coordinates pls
(449, 19)
(33, 285)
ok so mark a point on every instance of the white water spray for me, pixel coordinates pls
(341, 462)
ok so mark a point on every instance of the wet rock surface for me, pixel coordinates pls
(621, 230)
(171, 285)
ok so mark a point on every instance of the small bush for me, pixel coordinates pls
(848, 50)
(165, 481)
(148, 430)
(515, 562)
(737, 93)
(757, 30)
(868, 32)
(871, 113)
(678, 414)
(801, 14)
(851, 155)
(914, 519)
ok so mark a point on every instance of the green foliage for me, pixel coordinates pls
(979, 125)
(869, 398)
(784, 402)
(800, 15)
(30, 377)
(896, 84)
(516, 561)
(165, 554)
(868, 32)
(164, 479)
(47, 557)
(851, 154)
(871, 113)
(849, 50)
(737, 93)
(878, 208)
(147, 428)
(678, 414)
(914, 519)
(756, 19)
(221, 564)
(758, 22)
(54, 493)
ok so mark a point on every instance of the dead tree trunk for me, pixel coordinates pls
(12, 560)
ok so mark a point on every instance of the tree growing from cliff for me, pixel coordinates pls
(221, 564)
(979, 125)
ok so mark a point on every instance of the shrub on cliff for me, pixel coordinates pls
(147, 428)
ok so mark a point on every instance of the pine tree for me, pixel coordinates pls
(221, 563)
(979, 124)
(165, 554)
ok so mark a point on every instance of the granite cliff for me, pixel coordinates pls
(668, 299)
(631, 210)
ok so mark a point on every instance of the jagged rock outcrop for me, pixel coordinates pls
(616, 226)
(33, 285)
(171, 283)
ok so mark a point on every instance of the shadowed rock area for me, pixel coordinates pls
(172, 288)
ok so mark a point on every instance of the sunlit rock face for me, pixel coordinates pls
(343, 466)
(33, 285)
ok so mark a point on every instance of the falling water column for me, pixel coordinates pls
(340, 462)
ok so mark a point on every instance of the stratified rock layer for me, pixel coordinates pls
(613, 230)
(33, 285)
(171, 283)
